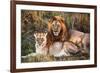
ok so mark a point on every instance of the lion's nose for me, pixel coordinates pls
(55, 28)
(56, 31)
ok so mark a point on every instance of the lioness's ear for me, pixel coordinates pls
(45, 34)
(35, 35)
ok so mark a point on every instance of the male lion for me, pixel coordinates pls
(57, 36)
(57, 31)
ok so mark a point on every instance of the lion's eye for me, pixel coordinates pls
(53, 25)
(57, 25)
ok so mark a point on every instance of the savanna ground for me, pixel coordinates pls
(32, 21)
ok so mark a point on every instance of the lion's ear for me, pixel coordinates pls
(62, 19)
(50, 20)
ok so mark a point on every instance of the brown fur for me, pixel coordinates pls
(63, 35)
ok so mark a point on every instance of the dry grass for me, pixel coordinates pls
(47, 58)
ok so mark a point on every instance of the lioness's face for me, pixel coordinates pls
(56, 27)
(40, 37)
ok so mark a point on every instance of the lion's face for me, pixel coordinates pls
(56, 27)
(57, 31)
